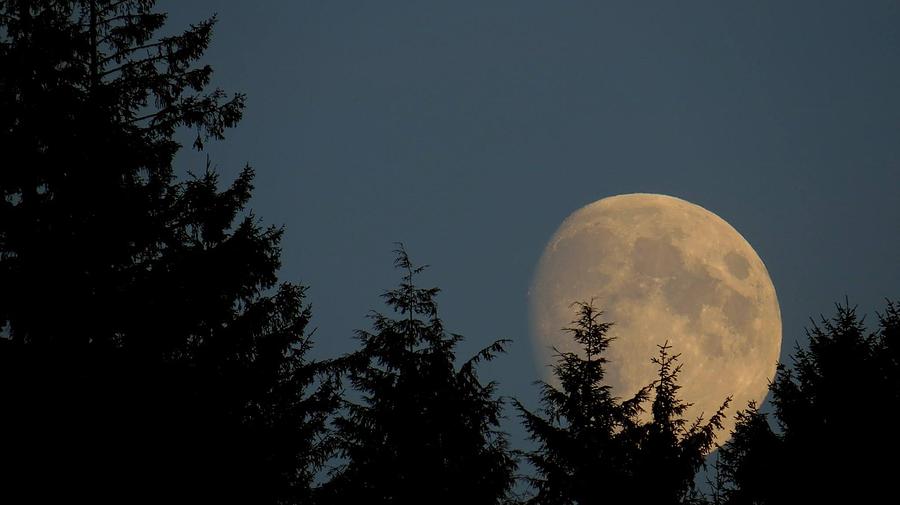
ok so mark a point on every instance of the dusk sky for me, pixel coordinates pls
(470, 129)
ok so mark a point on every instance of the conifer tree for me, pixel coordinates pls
(888, 350)
(147, 344)
(583, 455)
(752, 459)
(671, 451)
(424, 430)
(835, 407)
(595, 448)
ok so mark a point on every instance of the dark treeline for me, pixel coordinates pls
(835, 406)
(148, 351)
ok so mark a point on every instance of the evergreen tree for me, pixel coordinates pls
(888, 350)
(424, 430)
(594, 448)
(752, 458)
(147, 344)
(583, 455)
(835, 408)
(671, 452)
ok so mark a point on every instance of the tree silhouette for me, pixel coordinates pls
(424, 431)
(752, 457)
(583, 457)
(887, 353)
(147, 344)
(835, 408)
(594, 448)
(671, 451)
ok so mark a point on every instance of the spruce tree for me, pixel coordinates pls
(749, 465)
(887, 352)
(835, 408)
(671, 451)
(595, 448)
(147, 344)
(583, 456)
(424, 430)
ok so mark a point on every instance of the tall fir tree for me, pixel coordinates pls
(835, 408)
(424, 430)
(583, 455)
(147, 344)
(888, 349)
(749, 466)
(595, 448)
(672, 451)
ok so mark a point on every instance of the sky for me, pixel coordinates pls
(469, 130)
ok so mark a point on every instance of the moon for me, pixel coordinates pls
(662, 269)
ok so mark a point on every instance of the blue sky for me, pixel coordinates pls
(470, 129)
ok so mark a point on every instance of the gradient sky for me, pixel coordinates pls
(470, 129)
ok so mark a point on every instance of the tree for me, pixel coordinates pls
(752, 459)
(671, 451)
(424, 430)
(595, 448)
(835, 408)
(583, 454)
(147, 344)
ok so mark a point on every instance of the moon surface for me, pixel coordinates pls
(662, 269)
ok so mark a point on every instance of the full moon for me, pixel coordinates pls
(662, 269)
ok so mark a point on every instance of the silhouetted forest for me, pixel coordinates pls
(835, 437)
(149, 352)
